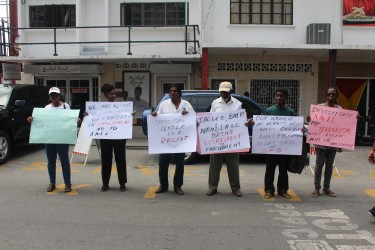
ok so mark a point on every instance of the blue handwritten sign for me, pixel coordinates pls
(277, 135)
(55, 126)
(109, 120)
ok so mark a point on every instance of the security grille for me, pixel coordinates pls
(263, 91)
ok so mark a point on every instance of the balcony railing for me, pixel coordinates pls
(127, 36)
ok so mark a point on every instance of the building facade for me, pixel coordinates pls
(258, 45)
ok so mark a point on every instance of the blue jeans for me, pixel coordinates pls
(178, 179)
(63, 150)
(324, 157)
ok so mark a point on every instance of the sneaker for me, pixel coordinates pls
(68, 188)
(51, 187)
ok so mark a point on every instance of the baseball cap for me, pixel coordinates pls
(225, 86)
(54, 90)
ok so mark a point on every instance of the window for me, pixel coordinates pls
(153, 14)
(53, 16)
(279, 12)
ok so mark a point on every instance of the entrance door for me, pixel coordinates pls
(75, 92)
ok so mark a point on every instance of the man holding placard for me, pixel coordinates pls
(279, 109)
(172, 106)
(224, 103)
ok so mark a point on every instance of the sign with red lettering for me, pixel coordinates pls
(172, 133)
(222, 132)
(332, 127)
(79, 90)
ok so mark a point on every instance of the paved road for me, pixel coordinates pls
(138, 219)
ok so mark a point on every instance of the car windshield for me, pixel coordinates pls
(4, 96)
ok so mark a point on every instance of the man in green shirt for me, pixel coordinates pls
(279, 109)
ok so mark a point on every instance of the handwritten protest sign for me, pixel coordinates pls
(109, 120)
(172, 133)
(277, 135)
(332, 127)
(57, 126)
(222, 132)
(83, 144)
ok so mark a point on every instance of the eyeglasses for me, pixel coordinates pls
(331, 94)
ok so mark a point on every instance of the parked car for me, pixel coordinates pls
(201, 101)
(16, 104)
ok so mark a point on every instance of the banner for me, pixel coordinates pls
(55, 126)
(279, 135)
(222, 132)
(332, 127)
(109, 120)
(11, 71)
(172, 133)
(359, 12)
(83, 144)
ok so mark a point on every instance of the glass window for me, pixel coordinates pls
(151, 14)
(279, 12)
(52, 15)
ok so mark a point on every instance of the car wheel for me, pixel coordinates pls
(5, 147)
(189, 158)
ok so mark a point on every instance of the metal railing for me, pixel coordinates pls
(8, 46)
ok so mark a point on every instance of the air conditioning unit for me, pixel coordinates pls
(318, 33)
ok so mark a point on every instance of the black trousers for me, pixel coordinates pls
(108, 146)
(282, 181)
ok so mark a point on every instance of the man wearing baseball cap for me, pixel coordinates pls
(222, 104)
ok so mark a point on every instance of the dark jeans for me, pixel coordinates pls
(282, 181)
(63, 151)
(108, 146)
(178, 179)
(324, 157)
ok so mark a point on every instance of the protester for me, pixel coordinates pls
(110, 146)
(325, 155)
(222, 104)
(279, 109)
(371, 159)
(52, 150)
(173, 105)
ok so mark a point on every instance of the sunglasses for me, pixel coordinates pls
(331, 94)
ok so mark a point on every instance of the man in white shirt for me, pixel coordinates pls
(224, 103)
(173, 105)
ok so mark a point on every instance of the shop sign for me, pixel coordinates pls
(11, 71)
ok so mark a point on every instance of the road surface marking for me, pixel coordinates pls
(150, 194)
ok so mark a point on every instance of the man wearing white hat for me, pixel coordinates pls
(222, 104)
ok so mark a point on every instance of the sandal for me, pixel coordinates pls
(315, 194)
(267, 196)
(68, 188)
(51, 187)
(286, 196)
(329, 192)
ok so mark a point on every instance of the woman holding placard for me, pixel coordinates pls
(110, 146)
(52, 150)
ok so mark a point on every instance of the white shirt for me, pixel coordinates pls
(168, 107)
(219, 105)
(50, 106)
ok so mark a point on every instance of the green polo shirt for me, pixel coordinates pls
(275, 110)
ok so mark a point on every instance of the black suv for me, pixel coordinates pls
(16, 104)
(201, 101)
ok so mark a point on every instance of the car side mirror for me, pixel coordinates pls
(20, 103)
